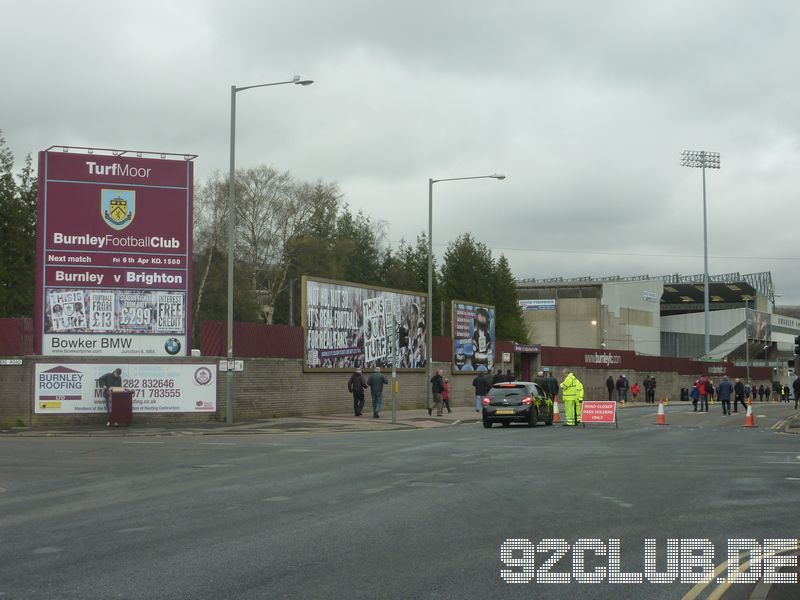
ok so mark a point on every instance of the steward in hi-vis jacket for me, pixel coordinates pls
(572, 396)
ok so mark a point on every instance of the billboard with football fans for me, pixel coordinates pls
(473, 337)
(114, 249)
(348, 326)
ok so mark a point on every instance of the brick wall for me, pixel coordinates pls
(267, 388)
(277, 387)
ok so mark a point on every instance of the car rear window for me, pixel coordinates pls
(508, 392)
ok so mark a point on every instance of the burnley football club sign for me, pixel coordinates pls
(114, 248)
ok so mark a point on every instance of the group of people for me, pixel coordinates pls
(375, 382)
(740, 391)
(570, 390)
(622, 386)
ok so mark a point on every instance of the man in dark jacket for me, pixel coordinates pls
(437, 387)
(356, 386)
(482, 386)
(650, 390)
(738, 395)
(610, 386)
(498, 377)
(539, 380)
(724, 392)
(796, 388)
(108, 381)
(376, 381)
(551, 385)
(622, 388)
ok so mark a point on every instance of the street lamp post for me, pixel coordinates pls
(231, 232)
(429, 311)
(703, 160)
(747, 339)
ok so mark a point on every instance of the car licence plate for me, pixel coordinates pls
(504, 412)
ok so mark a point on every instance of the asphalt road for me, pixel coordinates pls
(392, 514)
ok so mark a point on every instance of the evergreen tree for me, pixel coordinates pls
(509, 323)
(17, 236)
(467, 274)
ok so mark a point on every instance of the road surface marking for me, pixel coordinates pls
(142, 442)
(695, 591)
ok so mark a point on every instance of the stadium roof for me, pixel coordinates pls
(729, 287)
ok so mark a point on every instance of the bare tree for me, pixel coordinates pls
(210, 221)
(272, 209)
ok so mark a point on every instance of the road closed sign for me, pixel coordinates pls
(599, 412)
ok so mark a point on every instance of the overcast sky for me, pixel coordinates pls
(584, 105)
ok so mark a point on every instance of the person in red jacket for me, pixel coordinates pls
(635, 389)
(446, 395)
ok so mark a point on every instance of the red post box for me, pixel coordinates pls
(120, 406)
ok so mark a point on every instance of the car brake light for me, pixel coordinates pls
(526, 400)
(486, 401)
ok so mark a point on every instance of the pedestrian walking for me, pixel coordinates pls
(650, 389)
(738, 395)
(437, 387)
(761, 392)
(724, 392)
(622, 388)
(694, 394)
(635, 389)
(482, 386)
(498, 377)
(446, 395)
(710, 390)
(571, 394)
(376, 381)
(766, 393)
(356, 386)
(796, 388)
(703, 386)
(610, 386)
(785, 394)
(510, 376)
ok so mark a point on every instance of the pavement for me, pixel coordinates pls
(334, 423)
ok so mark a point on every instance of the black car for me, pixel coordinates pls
(517, 402)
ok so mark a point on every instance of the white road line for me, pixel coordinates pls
(143, 442)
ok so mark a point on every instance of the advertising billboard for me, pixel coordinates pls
(114, 253)
(759, 325)
(348, 325)
(473, 337)
(72, 388)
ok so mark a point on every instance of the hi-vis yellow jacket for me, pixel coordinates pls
(571, 389)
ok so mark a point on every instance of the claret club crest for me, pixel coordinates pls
(118, 207)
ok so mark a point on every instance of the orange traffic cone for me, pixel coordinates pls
(661, 419)
(556, 414)
(749, 419)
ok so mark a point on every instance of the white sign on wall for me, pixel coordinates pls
(538, 304)
(70, 388)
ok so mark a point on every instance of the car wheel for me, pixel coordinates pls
(549, 419)
(533, 419)
(487, 423)
(506, 424)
